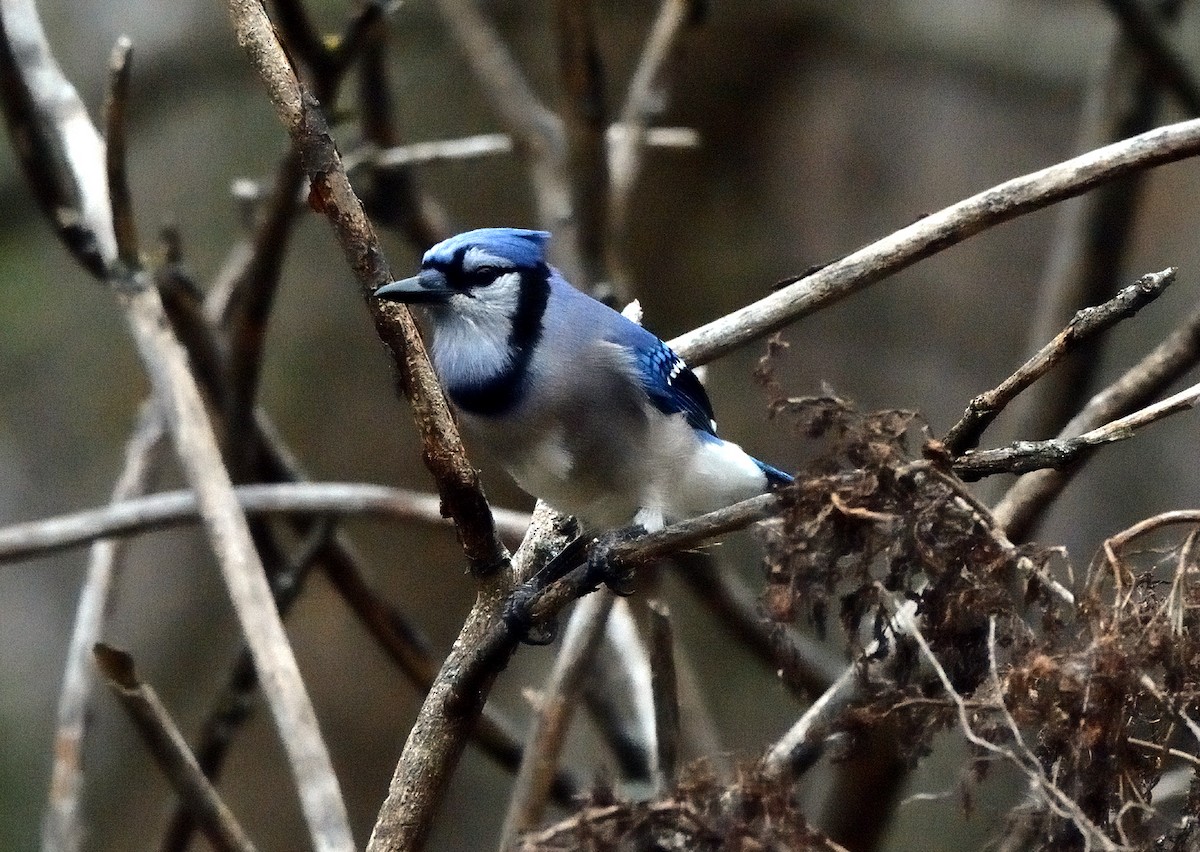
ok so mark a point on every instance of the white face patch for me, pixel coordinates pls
(477, 258)
(471, 335)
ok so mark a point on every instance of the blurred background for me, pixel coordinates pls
(822, 126)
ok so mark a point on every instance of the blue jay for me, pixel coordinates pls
(585, 408)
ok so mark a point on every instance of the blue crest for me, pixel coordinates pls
(522, 247)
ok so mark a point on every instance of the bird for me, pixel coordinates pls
(585, 409)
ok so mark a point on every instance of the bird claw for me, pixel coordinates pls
(518, 618)
(602, 569)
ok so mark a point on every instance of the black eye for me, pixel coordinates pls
(481, 276)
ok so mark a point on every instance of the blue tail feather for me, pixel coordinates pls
(775, 476)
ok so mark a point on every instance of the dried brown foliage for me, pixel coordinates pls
(752, 813)
(1085, 700)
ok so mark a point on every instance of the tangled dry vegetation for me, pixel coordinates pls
(1090, 699)
(1082, 682)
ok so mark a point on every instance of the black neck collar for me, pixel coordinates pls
(503, 390)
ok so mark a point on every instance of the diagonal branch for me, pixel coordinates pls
(1143, 29)
(1091, 234)
(170, 751)
(455, 700)
(936, 232)
(625, 157)
(555, 710)
(178, 399)
(1087, 323)
(1024, 503)
(61, 829)
(538, 133)
(457, 480)
(131, 516)
(582, 74)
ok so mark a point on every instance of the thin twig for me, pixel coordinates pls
(556, 708)
(799, 747)
(1025, 456)
(618, 695)
(625, 157)
(454, 701)
(115, 109)
(493, 144)
(61, 830)
(1170, 69)
(1178, 516)
(584, 118)
(443, 452)
(245, 308)
(1088, 322)
(936, 232)
(170, 751)
(666, 694)
(394, 196)
(538, 132)
(1091, 236)
(1024, 760)
(156, 511)
(1027, 499)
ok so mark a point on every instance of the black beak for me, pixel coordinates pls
(428, 288)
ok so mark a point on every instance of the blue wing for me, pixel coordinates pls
(672, 386)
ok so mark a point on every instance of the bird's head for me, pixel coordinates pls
(478, 275)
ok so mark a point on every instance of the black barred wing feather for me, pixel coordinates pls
(673, 387)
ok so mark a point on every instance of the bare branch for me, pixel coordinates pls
(139, 515)
(800, 746)
(492, 144)
(1144, 31)
(1088, 322)
(936, 232)
(536, 128)
(625, 156)
(178, 398)
(188, 424)
(1091, 236)
(1024, 503)
(538, 132)
(446, 717)
(556, 708)
(236, 701)
(170, 751)
(618, 695)
(666, 694)
(1040, 784)
(61, 830)
(584, 118)
(1024, 456)
(58, 147)
(458, 481)
(394, 196)
(115, 108)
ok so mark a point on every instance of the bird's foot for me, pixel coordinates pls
(518, 616)
(603, 568)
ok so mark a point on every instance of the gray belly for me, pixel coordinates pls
(590, 470)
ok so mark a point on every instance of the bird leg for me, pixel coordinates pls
(599, 567)
(602, 568)
(518, 615)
